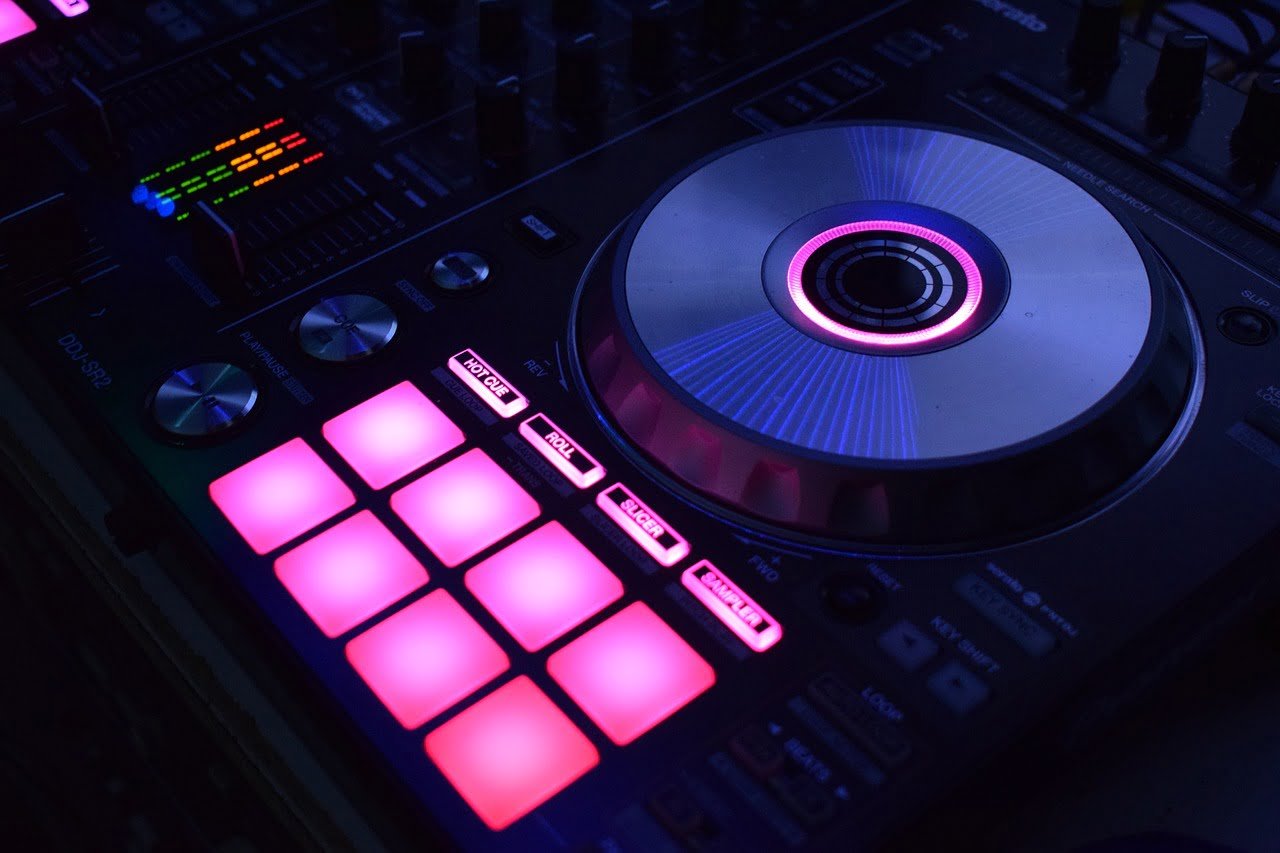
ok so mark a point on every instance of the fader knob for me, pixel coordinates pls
(501, 130)
(1179, 81)
(573, 15)
(1258, 133)
(578, 80)
(501, 25)
(424, 65)
(1097, 39)
(653, 40)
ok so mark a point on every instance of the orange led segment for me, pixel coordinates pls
(249, 134)
(224, 145)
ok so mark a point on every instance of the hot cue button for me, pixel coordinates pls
(561, 451)
(732, 606)
(488, 384)
(643, 525)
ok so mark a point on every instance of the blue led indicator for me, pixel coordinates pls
(151, 201)
(140, 194)
(165, 208)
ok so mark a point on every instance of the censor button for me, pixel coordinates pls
(643, 525)
(561, 451)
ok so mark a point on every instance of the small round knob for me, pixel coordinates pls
(1258, 133)
(573, 15)
(653, 39)
(501, 128)
(347, 328)
(578, 80)
(204, 400)
(460, 272)
(501, 28)
(1178, 84)
(1097, 38)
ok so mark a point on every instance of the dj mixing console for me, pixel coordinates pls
(629, 425)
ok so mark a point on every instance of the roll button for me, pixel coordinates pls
(203, 400)
(345, 329)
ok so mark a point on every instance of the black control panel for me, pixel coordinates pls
(644, 424)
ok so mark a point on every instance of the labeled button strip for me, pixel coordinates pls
(564, 453)
(643, 525)
(499, 394)
(732, 606)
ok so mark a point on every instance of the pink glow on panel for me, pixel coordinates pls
(464, 506)
(350, 572)
(392, 435)
(973, 278)
(543, 586)
(426, 658)
(510, 752)
(280, 495)
(14, 22)
(630, 673)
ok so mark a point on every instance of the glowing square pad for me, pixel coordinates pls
(543, 586)
(350, 572)
(14, 22)
(464, 506)
(392, 435)
(280, 495)
(510, 752)
(425, 658)
(630, 673)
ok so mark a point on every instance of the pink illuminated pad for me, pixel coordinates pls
(350, 572)
(280, 495)
(543, 586)
(425, 658)
(630, 673)
(14, 22)
(464, 506)
(392, 435)
(510, 752)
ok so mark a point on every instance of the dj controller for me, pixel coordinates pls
(639, 426)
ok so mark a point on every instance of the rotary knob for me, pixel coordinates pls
(347, 328)
(204, 400)
(846, 356)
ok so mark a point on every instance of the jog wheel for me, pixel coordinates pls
(891, 335)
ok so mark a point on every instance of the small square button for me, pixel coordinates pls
(630, 673)
(392, 435)
(958, 688)
(350, 572)
(425, 658)
(464, 506)
(908, 645)
(280, 495)
(543, 586)
(510, 752)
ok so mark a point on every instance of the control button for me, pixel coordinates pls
(501, 126)
(840, 82)
(849, 710)
(390, 436)
(1266, 420)
(464, 506)
(501, 31)
(958, 688)
(543, 586)
(579, 84)
(280, 495)
(630, 672)
(1178, 84)
(218, 252)
(487, 384)
(1256, 134)
(908, 645)
(343, 329)
(540, 232)
(204, 400)
(788, 107)
(1246, 326)
(426, 658)
(1096, 44)
(758, 751)
(561, 451)
(424, 65)
(676, 810)
(806, 799)
(460, 272)
(1001, 612)
(653, 45)
(642, 524)
(510, 752)
(352, 571)
(732, 606)
(851, 598)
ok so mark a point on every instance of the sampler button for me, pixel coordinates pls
(561, 451)
(643, 525)
(907, 645)
(958, 688)
(487, 384)
(732, 606)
